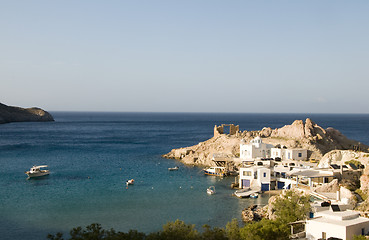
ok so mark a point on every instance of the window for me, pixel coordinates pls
(265, 174)
(247, 173)
(300, 154)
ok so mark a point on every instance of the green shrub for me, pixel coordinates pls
(265, 229)
(359, 237)
(355, 162)
(233, 230)
(363, 195)
(291, 206)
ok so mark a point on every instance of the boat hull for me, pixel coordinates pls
(173, 169)
(210, 192)
(214, 173)
(37, 174)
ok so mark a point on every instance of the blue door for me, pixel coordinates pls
(265, 187)
(245, 183)
(280, 185)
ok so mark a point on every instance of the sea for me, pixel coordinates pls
(91, 155)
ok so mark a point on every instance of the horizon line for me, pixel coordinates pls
(166, 112)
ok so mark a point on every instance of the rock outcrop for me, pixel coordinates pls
(342, 156)
(299, 134)
(10, 114)
(254, 213)
(331, 187)
(364, 181)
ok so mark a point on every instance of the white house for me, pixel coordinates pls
(255, 149)
(255, 176)
(280, 176)
(336, 224)
(289, 154)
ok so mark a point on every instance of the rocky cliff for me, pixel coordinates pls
(299, 134)
(342, 156)
(16, 114)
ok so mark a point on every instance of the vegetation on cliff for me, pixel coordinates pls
(10, 114)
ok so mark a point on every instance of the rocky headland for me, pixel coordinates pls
(307, 135)
(10, 114)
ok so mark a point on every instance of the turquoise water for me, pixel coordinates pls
(91, 155)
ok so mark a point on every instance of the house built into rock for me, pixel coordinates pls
(284, 170)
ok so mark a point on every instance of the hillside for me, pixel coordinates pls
(299, 134)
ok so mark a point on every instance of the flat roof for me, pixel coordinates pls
(344, 218)
(309, 173)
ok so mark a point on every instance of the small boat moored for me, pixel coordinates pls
(130, 182)
(254, 195)
(215, 171)
(247, 192)
(38, 171)
(210, 190)
(173, 168)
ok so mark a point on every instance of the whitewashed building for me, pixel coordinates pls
(255, 149)
(255, 177)
(336, 224)
(289, 154)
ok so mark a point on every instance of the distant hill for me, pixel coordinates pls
(10, 114)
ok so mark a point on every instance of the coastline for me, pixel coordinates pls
(111, 148)
(9, 114)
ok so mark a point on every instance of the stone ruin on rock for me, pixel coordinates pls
(233, 130)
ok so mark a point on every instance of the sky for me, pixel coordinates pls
(185, 56)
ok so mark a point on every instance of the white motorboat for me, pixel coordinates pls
(215, 171)
(38, 171)
(247, 192)
(130, 182)
(173, 168)
(210, 190)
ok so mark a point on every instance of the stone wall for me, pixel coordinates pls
(233, 130)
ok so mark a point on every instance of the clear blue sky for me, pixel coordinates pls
(186, 56)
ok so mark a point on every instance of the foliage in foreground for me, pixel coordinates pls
(289, 207)
(179, 230)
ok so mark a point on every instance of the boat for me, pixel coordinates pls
(130, 182)
(246, 192)
(173, 168)
(254, 195)
(210, 190)
(38, 171)
(215, 171)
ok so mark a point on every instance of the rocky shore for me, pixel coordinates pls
(10, 114)
(308, 135)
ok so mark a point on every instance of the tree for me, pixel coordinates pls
(233, 230)
(265, 229)
(291, 206)
(176, 230)
(213, 233)
(96, 232)
(57, 236)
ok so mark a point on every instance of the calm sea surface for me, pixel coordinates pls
(91, 155)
